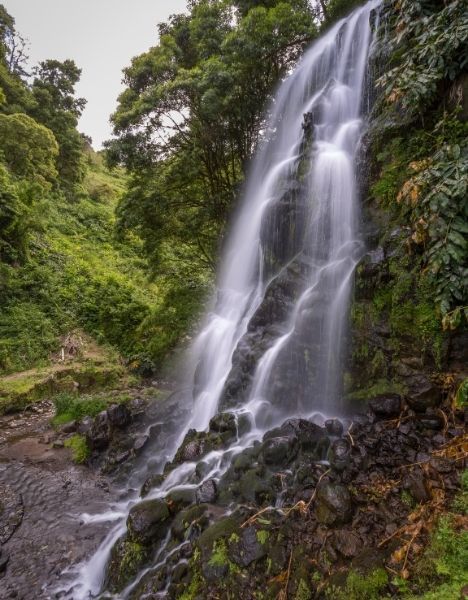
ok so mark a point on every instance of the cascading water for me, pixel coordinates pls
(274, 342)
(272, 347)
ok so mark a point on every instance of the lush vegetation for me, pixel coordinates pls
(425, 163)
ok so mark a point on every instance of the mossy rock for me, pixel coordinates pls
(126, 559)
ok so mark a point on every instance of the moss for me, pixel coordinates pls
(79, 447)
(262, 536)
(222, 529)
(382, 386)
(127, 558)
(303, 592)
(360, 587)
(194, 588)
(443, 570)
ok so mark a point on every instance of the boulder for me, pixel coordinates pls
(280, 451)
(223, 422)
(247, 548)
(119, 416)
(339, 455)
(98, 437)
(148, 521)
(422, 393)
(334, 505)
(151, 482)
(386, 405)
(207, 492)
(334, 427)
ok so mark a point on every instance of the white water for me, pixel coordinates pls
(320, 238)
(307, 229)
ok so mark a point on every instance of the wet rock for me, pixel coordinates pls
(140, 442)
(180, 498)
(280, 451)
(423, 393)
(69, 427)
(58, 444)
(223, 422)
(126, 559)
(417, 486)
(334, 427)
(254, 488)
(194, 518)
(339, 455)
(213, 547)
(207, 492)
(432, 419)
(85, 425)
(119, 416)
(311, 437)
(386, 405)
(148, 521)
(334, 504)
(98, 436)
(247, 548)
(347, 543)
(151, 482)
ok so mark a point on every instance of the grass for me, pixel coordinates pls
(79, 447)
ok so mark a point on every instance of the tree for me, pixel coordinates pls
(57, 108)
(28, 148)
(192, 113)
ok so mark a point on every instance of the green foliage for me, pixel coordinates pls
(79, 447)
(443, 570)
(56, 107)
(432, 45)
(29, 149)
(189, 121)
(360, 587)
(70, 407)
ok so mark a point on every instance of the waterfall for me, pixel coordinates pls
(272, 346)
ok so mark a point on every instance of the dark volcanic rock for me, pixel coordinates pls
(334, 427)
(339, 454)
(119, 415)
(347, 543)
(311, 437)
(148, 521)
(280, 451)
(386, 405)
(223, 422)
(247, 549)
(207, 492)
(151, 482)
(98, 436)
(423, 393)
(334, 504)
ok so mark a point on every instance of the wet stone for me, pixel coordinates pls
(140, 442)
(151, 482)
(148, 520)
(386, 405)
(207, 492)
(333, 503)
(247, 549)
(279, 451)
(119, 416)
(339, 455)
(334, 427)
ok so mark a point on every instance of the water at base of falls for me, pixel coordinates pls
(273, 346)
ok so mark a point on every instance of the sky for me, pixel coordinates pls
(101, 36)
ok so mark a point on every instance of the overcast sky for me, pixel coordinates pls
(100, 35)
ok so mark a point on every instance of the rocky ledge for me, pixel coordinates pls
(298, 514)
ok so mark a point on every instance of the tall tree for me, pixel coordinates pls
(57, 108)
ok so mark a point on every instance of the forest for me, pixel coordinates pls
(121, 270)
